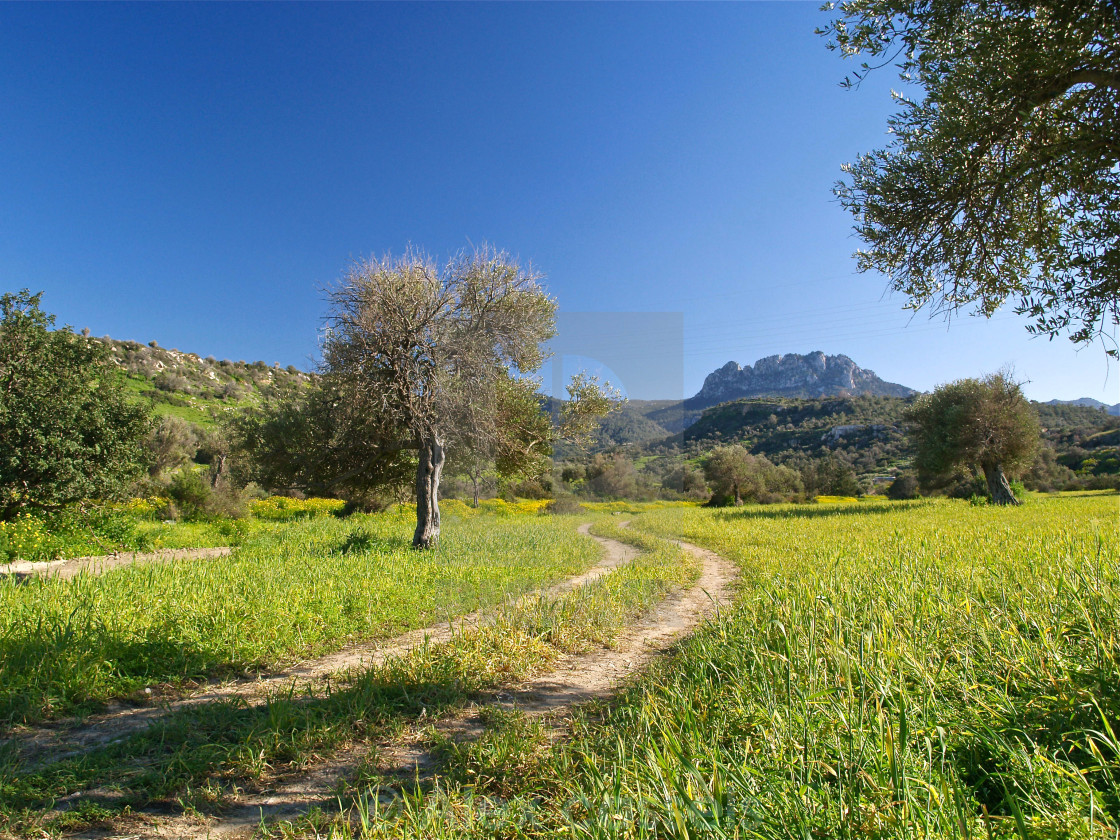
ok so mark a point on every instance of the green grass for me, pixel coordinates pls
(926, 669)
(193, 756)
(198, 410)
(287, 593)
(183, 534)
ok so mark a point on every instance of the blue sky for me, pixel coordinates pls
(196, 174)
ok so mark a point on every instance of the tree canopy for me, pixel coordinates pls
(1002, 180)
(734, 474)
(985, 424)
(420, 361)
(67, 430)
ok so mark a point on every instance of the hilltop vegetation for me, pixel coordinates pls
(196, 389)
(863, 437)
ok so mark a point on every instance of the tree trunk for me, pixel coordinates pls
(999, 490)
(474, 481)
(738, 496)
(427, 493)
(217, 469)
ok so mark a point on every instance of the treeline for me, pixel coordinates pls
(95, 418)
(842, 446)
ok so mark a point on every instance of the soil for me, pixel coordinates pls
(575, 679)
(73, 567)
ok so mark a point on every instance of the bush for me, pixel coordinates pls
(903, 487)
(966, 485)
(190, 493)
(532, 488)
(563, 504)
(1103, 482)
(227, 501)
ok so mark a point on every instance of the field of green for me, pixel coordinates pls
(329, 576)
(927, 669)
(887, 669)
(287, 593)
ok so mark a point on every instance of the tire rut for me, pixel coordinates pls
(66, 569)
(576, 679)
(49, 743)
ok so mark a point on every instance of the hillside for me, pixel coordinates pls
(870, 433)
(1089, 402)
(193, 388)
(869, 430)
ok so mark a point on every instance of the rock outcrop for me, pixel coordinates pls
(808, 376)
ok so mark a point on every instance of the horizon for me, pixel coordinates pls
(196, 174)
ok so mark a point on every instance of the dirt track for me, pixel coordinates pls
(66, 739)
(575, 679)
(73, 567)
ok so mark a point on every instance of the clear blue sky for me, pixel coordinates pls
(195, 174)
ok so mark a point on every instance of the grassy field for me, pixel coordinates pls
(927, 669)
(288, 592)
(915, 669)
(192, 757)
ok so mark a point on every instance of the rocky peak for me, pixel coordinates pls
(792, 375)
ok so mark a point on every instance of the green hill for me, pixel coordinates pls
(194, 388)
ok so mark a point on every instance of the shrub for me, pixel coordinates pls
(563, 504)
(191, 494)
(903, 487)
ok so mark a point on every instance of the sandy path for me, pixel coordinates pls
(66, 739)
(73, 567)
(576, 679)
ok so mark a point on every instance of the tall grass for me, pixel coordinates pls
(194, 754)
(289, 592)
(888, 670)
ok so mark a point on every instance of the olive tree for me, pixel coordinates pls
(734, 473)
(986, 424)
(315, 438)
(438, 358)
(1002, 180)
(68, 432)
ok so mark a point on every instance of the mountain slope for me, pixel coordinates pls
(1089, 402)
(193, 388)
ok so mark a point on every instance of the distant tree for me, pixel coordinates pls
(904, 486)
(67, 430)
(981, 423)
(169, 444)
(830, 476)
(1002, 180)
(430, 359)
(728, 469)
(686, 480)
(735, 474)
(614, 477)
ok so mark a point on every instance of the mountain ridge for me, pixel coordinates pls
(804, 376)
(1089, 402)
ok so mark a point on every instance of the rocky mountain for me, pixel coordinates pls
(809, 376)
(1089, 402)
